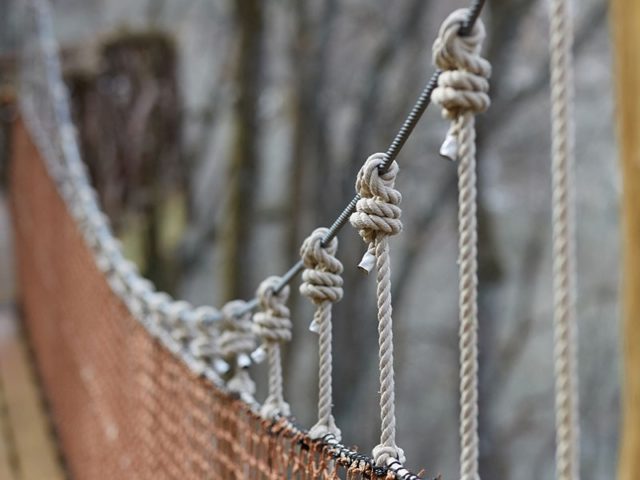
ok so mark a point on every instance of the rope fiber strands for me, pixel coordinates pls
(564, 275)
(462, 93)
(377, 217)
(322, 284)
(273, 325)
(236, 342)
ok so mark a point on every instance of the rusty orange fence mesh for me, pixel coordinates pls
(124, 406)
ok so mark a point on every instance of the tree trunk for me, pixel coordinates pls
(129, 123)
(243, 159)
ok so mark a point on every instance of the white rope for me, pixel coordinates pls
(462, 93)
(236, 342)
(273, 325)
(322, 284)
(377, 216)
(203, 345)
(564, 276)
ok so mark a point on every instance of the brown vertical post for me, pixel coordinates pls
(243, 163)
(625, 20)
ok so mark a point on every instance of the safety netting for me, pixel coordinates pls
(123, 405)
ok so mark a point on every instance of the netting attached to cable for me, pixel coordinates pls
(123, 405)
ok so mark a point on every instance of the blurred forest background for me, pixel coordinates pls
(219, 133)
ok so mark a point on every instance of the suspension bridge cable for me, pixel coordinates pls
(391, 154)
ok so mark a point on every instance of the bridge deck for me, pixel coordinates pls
(27, 446)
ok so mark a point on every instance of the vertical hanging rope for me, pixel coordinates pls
(377, 216)
(273, 325)
(235, 344)
(322, 284)
(564, 276)
(462, 93)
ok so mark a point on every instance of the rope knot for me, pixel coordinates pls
(273, 325)
(321, 279)
(385, 453)
(377, 216)
(236, 343)
(377, 212)
(322, 284)
(272, 322)
(237, 336)
(463, 86)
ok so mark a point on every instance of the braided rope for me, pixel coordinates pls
(273, 325)
(322, 284)
(462, 92)
(235, 343)
(377, 216)
(564, 276)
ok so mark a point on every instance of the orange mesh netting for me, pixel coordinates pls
(122, 404)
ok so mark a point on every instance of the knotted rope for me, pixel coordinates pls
(322, 284)
(463, 85)
(236, 343)
(377, 216)
(564, 275)
(273, 326)
(462, 93)
(203, 346)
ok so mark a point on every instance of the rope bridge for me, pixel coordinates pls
(125, 404)
(144, 386)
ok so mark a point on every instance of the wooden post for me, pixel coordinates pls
(625, 22)
(243, 163)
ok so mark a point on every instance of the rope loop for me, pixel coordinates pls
(202, 345)
(322, 284)
(273, 325)
(377, 217)
(236, 342)
(272, 322)
(463, 86)
(377, 211)
(321, 280)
